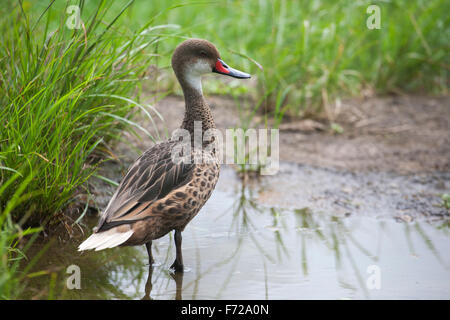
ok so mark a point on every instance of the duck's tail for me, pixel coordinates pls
(105, 239)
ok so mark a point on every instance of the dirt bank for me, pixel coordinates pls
(403, 134)
(401, 141)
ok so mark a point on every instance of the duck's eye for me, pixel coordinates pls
(203, 53)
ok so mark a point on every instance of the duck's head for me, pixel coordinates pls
(196, 57)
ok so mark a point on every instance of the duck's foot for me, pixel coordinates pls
(178, 263)
(177, 267)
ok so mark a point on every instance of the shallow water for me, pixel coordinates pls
(306, 233)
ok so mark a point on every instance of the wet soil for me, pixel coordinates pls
(393, 156)
(403, 134)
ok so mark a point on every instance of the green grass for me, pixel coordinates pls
(313, 52)
(11, 233)
(64, 94)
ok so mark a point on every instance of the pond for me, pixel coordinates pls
(306, 233)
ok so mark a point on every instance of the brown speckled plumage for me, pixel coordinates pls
(152, 212)
(158, 195)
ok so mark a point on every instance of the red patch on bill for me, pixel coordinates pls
(221, 68)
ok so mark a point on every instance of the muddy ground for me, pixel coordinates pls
(408, 134)
(403, 134)
(392, 156)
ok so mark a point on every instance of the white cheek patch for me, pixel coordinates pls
(193, 74)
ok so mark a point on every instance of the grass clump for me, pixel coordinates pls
(10, 235)
(314, 52)
(64, 93)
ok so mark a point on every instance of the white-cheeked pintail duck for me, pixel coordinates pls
(158, 195)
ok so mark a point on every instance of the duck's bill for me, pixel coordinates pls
(222, 68)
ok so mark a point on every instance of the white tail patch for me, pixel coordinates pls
(107, 239)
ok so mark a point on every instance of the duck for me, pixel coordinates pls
(159, 195)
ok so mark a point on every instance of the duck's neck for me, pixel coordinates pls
(196, 108)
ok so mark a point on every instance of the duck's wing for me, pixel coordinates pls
(151, 177)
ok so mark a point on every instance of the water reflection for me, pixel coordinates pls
(277, 237)
(240, 248)
(104, 275)
(177, 277)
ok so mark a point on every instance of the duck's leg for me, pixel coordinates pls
(178, 263)
(148, 245)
